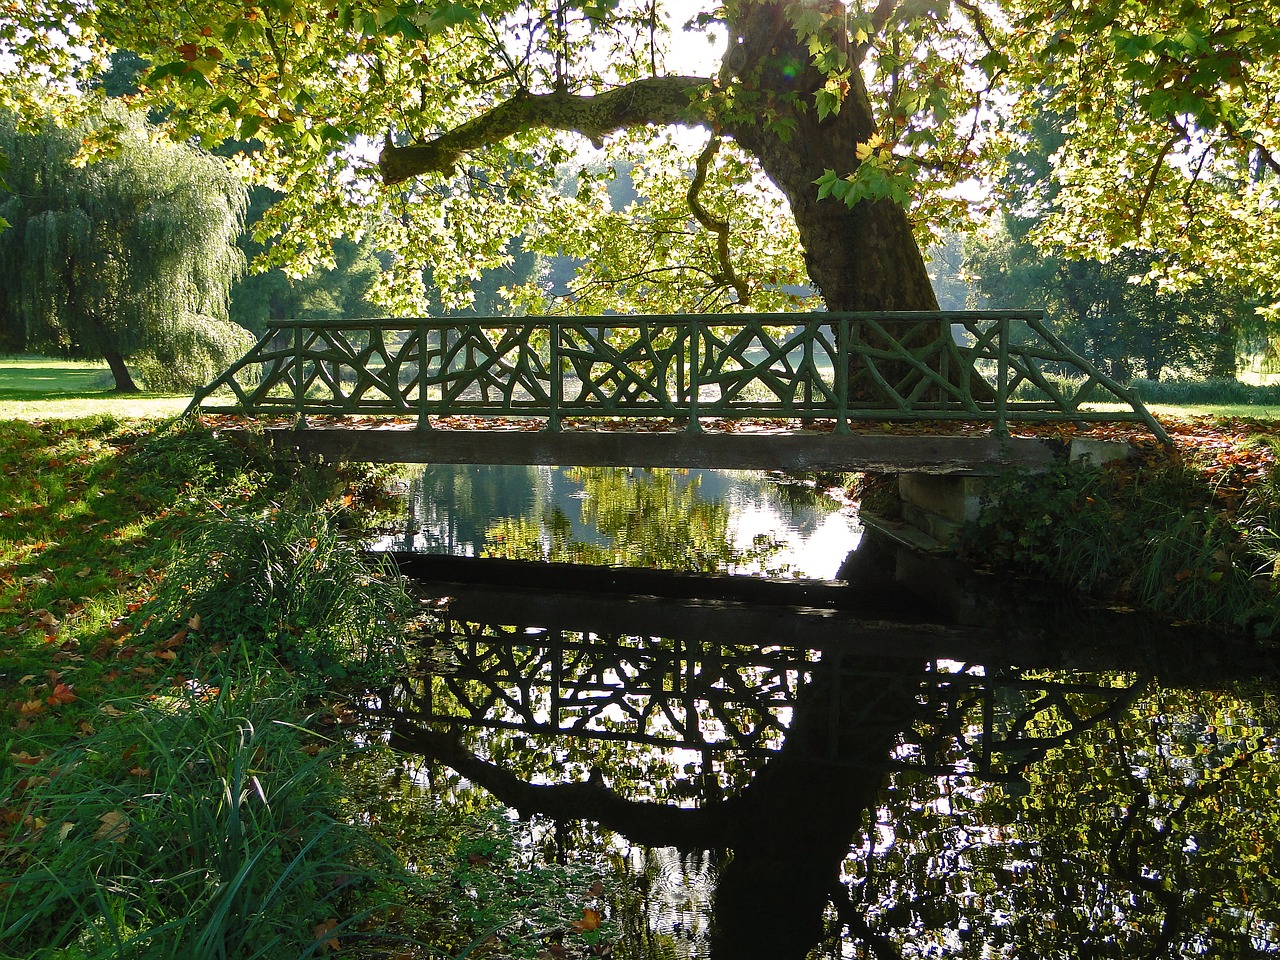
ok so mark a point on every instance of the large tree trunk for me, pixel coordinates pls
(798, 816)
(1223, 363)
(863, 257)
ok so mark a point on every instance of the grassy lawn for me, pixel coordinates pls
(40, 388)
(1243, 411)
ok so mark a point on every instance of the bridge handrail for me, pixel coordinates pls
(878, 366)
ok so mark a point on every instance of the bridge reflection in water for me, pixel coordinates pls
(1038, 781)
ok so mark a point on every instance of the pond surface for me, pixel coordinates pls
(923, 762)
(704, 520)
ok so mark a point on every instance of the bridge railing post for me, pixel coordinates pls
(695, 373)
(843, 333)
(555, 374)
(300, 420)
(424, 402)
(1002, 377)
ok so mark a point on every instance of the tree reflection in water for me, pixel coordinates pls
(1113, 799)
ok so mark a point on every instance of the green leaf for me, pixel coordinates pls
(453, 15)
(176, 68)
(403, 26)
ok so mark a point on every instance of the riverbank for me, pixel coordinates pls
(1188, 531)
(186, 639)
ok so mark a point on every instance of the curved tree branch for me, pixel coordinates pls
(720, 228)
(1152, 180)
(651, 100)
(881, 947)
(652, 824)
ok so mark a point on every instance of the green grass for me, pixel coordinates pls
(1230, 410)
(1190, 411)
(186, 638)
(40, 388)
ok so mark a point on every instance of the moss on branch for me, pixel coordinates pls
(654, 100)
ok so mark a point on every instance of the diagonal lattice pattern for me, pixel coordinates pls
(993, 366)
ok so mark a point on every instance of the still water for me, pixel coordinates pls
(703, 520)
(920, 762)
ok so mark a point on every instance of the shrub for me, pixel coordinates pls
(1153, 537)
(195, 825)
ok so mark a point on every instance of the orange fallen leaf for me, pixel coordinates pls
(322, 931)
(590, 920)
(115, 824)
(62, 693)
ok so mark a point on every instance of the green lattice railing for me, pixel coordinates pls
(905, 366)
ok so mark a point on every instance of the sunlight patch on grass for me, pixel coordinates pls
(40, 388)
(136, 406)
(47, 376)
(1188, 411)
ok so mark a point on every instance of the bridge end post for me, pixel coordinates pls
(300, 420)
(424, 401)
(555, 386)
(1002, 380)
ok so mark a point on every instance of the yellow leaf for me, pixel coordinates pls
(322, 931)
(865, 150)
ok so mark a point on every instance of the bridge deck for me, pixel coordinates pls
(774, 450)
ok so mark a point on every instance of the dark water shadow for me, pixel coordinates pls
(992, 772)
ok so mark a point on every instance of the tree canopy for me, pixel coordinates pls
(129, 258)
(441, 127)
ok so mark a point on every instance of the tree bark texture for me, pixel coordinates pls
(863, 257)
(120, 371)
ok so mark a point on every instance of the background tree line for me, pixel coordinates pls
(1122, 312)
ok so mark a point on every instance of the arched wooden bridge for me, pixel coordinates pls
(762, 391)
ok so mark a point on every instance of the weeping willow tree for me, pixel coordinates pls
(128, 257)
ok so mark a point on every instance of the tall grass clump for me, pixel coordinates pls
(1211, 392)
(195, 825)
(1156, 537)
(287, 588)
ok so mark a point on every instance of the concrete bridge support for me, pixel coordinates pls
(935, 507)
